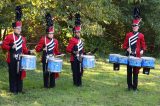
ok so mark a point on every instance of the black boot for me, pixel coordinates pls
(135, 81)
(129, 77)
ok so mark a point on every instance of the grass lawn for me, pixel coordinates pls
(101, 87)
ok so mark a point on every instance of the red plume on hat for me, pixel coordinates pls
(18, 17)
(49, 23)
(136, 15)
(136, 21)
(77, 27)
(51, 29)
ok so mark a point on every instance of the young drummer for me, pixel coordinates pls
(49, 45)
(15, 45)
(75, 47)
(134, 44)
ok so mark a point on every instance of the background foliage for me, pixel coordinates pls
(104, 22)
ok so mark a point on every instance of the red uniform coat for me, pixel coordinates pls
(73, 42)
(8, 41)
(140, 45)
(41, 44)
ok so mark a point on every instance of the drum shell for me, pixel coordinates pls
(54, 65)
(28, 62)
(148, 62)
(114, 58)
(88, 61)
(135, 61)
(123, 60)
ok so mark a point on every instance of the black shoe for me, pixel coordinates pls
(135, 89)
(22, 92)
(52, 86)
(129, 89)
(46, 87)
(15, 93)
(78, 85)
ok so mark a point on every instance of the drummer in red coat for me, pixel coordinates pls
(49, 45)
(134, 44)
(75, 47)
(15, 44)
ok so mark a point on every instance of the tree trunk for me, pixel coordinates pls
(4, 33)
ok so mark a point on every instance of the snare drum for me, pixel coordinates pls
(88, 61)
(28, 62)
(54, 64)
(113, 58)
(123, 60)
(148, 62)
(135, 61)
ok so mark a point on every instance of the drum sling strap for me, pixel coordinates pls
(18, 50)
(79, 57)
(49, 48)
(132, 43)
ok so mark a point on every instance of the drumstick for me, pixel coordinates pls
(61, 55)
(129, 47)
(80, 62)
(94, 51)
(18, 63)
(0, 42)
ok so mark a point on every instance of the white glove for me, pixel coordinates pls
(141, 52)
(33, 51)
(129, 50)
(45, 49)
(75, 52)
(89, 53)
(0, 42)
(14, 46)
(62, 54)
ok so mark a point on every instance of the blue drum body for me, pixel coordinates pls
(28, 62)
(88, 61)
(114, 58)
(55, 64)
(148, 62)
(135, 61)
(123, 60)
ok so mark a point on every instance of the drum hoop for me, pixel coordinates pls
(114, 54)
(54, 71)
(55, 59)
(28, 56)
(132, 57)
(123, 57)
(148, 58)
(88, 56)
(28, 69)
